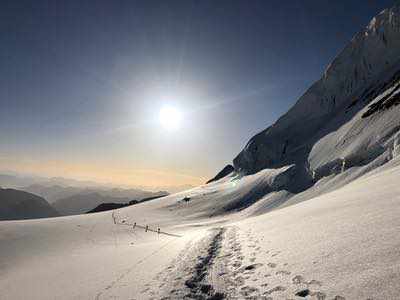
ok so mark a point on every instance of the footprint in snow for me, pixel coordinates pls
(236, 264)
(283, 272)
(239, 281)
(314, 282)
(319, 295)
(252, 267)
(298, 279)
(278, 288)
(248, 290)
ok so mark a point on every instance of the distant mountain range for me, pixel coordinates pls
(70, 200)
(54, 193)
(85, 202)
(14, 180)
(82, 203)
(16, 205)
(111, 205)
(65, 196)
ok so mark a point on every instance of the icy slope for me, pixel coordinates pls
(231, 194)
(330, 121)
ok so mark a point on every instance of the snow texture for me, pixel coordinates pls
(310, 211)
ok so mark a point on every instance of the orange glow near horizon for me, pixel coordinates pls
(102, 174)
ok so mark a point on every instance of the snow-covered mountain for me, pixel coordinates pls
(347, 118)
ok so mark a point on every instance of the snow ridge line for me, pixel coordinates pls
(198, 285)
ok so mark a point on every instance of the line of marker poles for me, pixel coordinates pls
(147, 228)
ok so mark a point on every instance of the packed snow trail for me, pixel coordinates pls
(199, 286)
(192, 270)
(225, 265)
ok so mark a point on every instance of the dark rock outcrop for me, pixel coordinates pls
(224, 172)
(107, 206)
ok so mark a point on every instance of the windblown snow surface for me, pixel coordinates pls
(310, 211)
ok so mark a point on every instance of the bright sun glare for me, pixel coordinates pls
(170, 118)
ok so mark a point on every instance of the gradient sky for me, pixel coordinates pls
(82, 82)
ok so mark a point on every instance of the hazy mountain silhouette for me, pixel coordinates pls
(82, 203)
(15, 205)
(110, 206)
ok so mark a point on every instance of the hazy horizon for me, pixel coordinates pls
(30, 179)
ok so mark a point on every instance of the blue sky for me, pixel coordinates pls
(82, 82)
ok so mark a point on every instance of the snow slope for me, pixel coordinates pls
(343, 243)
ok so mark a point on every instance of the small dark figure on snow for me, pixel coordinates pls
(158, 230)
(147, 228)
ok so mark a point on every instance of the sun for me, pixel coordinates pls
(170, 118)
